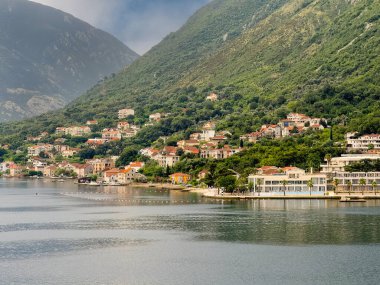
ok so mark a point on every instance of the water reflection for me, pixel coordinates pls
(278, 222)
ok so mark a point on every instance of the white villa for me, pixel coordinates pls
(290, 179)
(363, 142)
(337, 164)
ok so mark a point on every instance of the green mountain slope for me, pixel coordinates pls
(48, 58)
(264, 58)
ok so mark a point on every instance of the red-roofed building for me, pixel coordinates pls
(180, 178)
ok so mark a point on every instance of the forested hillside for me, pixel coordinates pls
(263, 58)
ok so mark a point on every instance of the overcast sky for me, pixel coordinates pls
(138, 23)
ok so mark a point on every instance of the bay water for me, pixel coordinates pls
(64, 233)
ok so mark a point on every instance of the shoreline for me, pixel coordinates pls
(332, 196)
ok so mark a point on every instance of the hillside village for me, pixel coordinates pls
(70, 152)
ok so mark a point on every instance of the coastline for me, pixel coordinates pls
(303, 196)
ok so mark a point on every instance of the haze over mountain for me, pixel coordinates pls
(264, 59)
(48, 58)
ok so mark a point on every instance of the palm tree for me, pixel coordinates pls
(374, 185)
(310, 185)
(336, 184)
(328, 158)
(362, 183)
(259, 182)
(284, 183)
(349, 184)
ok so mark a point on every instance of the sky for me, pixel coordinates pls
(140, 24)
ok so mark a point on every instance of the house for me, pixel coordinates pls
(149, 152)
(111, 175)
(81, 170)
(37, 164)
(35, 150)
(298, 119)
(252, 137)
(212, 97)
(362, 143)
(191, 150)
(129, 133)
(221, 153)
(123, 126)
(170, 150)
(101, 164)
(184, 143)
(351, 181)
(96, 142)
(4, 166)
(218, 139)
(124, 113)
(289, 179)
(136, 165)
(155, 117)
(337, 164)
(111, 134)
(75, 131)
(195, 136)
(166, 160)
(203, 174)
(180, 178)
(49, 171)
(70, 152)
(208, 131)
(271, 131)
(127, 175)
(91, 122)
(15, 170)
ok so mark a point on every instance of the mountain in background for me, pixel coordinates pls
(48, 58)
(263, 58)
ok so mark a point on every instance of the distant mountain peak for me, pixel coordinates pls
(48, 54)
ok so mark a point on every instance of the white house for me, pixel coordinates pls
(289, 179)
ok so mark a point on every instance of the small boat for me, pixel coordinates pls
(61, 180)
(348, 199)
(93, 183)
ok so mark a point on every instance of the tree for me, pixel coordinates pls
(336, 184)
(250, 186)
(241, 143)
(310, 185)
(284, 183)
(227, 182)
(259, 183)
(374, 186)
(349, 185)
(128, 155)
(362, 183)
(87, 153)
(328, 158)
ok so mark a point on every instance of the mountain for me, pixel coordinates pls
(48, 58)
(264, 59)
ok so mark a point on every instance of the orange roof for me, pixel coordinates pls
(179, 174)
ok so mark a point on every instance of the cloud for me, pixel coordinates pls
(140, 24)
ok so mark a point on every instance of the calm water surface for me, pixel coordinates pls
(62, 233)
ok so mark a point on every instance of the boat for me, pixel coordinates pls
(348, 199)
(61, 180)
(93, 183)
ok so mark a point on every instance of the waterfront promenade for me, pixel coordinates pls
(322, 196)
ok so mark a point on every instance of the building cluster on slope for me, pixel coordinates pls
(295, 123)
(206, 143)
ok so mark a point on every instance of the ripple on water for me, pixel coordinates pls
(38, 248)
